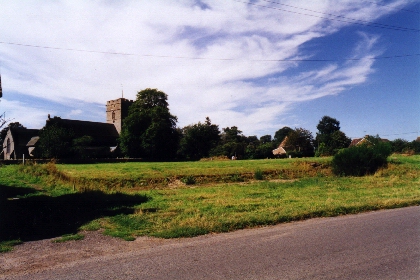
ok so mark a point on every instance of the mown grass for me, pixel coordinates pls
(308, 190)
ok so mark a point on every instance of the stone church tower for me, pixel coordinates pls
(116, 111)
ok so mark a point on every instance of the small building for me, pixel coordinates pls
(364, 140)
(14, 144)
(283, 148)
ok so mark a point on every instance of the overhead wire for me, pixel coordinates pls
(336, 18)
(367, 23)
(207, 58)
(392, 8)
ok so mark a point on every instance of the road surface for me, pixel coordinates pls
(375, 245)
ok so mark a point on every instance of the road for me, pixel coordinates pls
(375, 245)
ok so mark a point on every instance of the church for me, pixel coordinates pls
(20, 143)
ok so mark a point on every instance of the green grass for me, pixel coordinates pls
(7, 246)
(293, 190)
(69, 237)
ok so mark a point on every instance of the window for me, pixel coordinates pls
(8, 146)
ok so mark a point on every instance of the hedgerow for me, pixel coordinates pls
(361, 160)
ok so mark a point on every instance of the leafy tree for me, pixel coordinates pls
(399, 145)
(149, 130)
(329, 138)
(413, 147)
(198, 139)
(265, 139)
(302, 141)
(54, 141)
(328, 125)
(232, 143)
(281, 134)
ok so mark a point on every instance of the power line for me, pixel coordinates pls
(392, 8)
(207, 58)
(353, 21)
(357, 21)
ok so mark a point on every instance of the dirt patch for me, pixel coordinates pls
(44, 254)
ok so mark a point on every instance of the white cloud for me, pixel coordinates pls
(161, 36)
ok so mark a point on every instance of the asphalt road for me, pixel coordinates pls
(374, 245)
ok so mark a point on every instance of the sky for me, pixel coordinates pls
(259, 65)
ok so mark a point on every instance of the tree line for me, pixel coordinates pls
(150, 131)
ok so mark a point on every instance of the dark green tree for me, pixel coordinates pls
(198, 139)
(329, 138)
(327, 125)
(149, 131)
(232, 143)
(302, 142)
(281, 134)
(54, 141)
(399, 145)
(265, 139)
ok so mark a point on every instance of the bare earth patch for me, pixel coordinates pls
(44, 254)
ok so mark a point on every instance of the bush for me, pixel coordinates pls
(361, 160)
(189, 180)
(258, 175)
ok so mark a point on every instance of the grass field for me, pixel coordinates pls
(183, 199)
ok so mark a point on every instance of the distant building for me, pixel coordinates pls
(21, 142)
(283, 148)
(364, 140)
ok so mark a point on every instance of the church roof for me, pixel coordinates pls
(22, 135)
(103, 134)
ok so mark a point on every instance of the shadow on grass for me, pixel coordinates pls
(40, 217)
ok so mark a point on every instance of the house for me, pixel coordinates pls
(364, 140)
(14, 144)
(283, 148)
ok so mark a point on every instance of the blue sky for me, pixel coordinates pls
(258, 65)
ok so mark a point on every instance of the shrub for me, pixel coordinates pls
(258, 175)
(361, 160)
(189, 180)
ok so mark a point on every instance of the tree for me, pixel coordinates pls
(265, 139)
(328, 125)
(399, 145)
(54, 141)
(198, 139)
(149, 130)
(302, 141)
(281, 134)
(329, 138)
(232, 143)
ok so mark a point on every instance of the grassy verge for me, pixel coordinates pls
(195, 209)
(69, 237)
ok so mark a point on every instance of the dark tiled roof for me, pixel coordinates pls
(104, 134)
(21, 135)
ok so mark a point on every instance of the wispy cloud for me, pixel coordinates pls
(208, 56)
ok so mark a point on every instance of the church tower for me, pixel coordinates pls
(117, 111)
